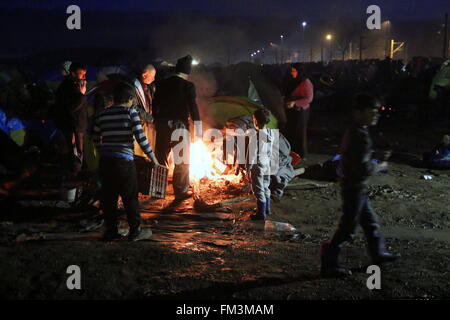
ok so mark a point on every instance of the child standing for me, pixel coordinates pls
(114, 132)
(356, 150)
(260, 167)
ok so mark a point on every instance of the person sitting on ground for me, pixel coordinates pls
(357, 167)
(113, 132)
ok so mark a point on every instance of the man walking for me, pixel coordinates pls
(173, 105)
(357, 167)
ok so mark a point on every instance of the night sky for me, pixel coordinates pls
(395, 9)
(223, 31)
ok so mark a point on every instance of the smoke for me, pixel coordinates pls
(206, 88)
(208, 40)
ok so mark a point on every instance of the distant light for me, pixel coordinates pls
(258, 51)
(329, 37)
(304, 24)
(195, 62)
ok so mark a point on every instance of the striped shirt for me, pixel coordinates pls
(115, 129)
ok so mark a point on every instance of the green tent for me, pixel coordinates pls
(222, 109)
(442, 79)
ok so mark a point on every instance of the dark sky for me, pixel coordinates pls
(313, 9)
(216, 30)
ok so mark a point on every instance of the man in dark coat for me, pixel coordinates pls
(173, 105)
(71, 112)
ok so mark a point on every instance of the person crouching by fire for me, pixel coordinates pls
(114, 131)
(173, 105)
(357, 167)
(260, 164)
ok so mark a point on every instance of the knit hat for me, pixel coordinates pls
(184, 65)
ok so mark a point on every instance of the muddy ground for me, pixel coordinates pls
(220, 255)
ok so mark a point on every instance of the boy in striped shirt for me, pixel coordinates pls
(114, 131)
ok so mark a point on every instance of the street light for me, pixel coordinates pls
(304, 24)
(329, 37)
(281, 49)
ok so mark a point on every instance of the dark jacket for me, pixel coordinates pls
(175, 100)
(70, 107)
(356, 151)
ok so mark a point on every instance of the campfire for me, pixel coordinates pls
(206, 165)
(209, 175)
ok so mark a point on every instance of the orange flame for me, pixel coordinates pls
(207, 164)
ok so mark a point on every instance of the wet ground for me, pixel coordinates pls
(221, 255)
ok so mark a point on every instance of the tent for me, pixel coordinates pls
(442, 79)
(222, 109)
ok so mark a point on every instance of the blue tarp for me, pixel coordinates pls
(8, 125)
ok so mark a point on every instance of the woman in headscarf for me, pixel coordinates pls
(299, 95)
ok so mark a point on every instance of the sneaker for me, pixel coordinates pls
(140, 234)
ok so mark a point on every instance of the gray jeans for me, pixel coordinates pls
(164, 144)
(260, 184)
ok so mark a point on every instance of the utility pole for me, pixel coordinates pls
(446, 40)
(331, 51)
(360, 47)
(321, 52)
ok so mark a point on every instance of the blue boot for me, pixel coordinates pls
(267, 206)
(260, 211)
(377, 250)
(329, 262)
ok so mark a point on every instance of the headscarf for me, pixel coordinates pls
(293, 83)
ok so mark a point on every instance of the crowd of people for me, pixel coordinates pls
(131, 116)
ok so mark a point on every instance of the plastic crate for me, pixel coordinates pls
(152, 180)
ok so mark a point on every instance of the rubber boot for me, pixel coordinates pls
(329, 262)
(260, 211)
(377, 250)
(267, 206)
